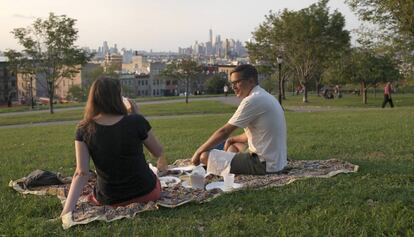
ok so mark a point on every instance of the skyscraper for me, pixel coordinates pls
(105, 48)
(211, 36)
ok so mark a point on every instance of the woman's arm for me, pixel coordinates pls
(155, 148)
(80, 178)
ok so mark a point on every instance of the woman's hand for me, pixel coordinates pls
(64, 212)
(134, 107)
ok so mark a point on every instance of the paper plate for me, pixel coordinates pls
(220, 185)
(169, 181)
(183, 168)
(186, 184)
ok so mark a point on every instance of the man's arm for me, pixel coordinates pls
(216, 138)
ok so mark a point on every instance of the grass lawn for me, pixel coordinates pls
(376, 201)
(22, 108)
(179, 108)
(349, 100)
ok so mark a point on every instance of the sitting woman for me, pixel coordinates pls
(114, 140)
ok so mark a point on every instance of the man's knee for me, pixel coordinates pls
(204, 157)
(232, 148)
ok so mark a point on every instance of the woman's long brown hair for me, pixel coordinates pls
(104, 98)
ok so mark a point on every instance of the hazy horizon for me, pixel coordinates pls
(157, 25)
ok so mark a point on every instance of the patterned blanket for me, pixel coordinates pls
(178, 194)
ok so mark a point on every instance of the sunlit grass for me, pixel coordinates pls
(376, 201)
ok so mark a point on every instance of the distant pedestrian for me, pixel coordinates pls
(387, 95)
(299, 89)
(337, 92)
(225, 89)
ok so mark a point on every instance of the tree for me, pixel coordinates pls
(306, 39)
(49, 45)
(395, 19)
(336, 72)
(13, 67)
(394, 15)
(215, 84)
(369, 68)
(183, 69)
(77, 93)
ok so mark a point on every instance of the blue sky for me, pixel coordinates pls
(160, 25)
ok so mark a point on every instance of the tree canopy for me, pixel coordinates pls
(306, 39)
(49, 45)
(183, 69)
(394, 15)
(395, 19)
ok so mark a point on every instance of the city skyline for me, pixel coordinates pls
(158, 25)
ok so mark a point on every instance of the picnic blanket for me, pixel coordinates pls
(176, 195)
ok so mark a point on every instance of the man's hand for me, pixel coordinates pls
(196, 158)
(228, 143)
(162, 164)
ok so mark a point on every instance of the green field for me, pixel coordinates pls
(376, 201)
(23, 108)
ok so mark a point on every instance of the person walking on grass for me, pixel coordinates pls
(387, 95)
(114, 140)
(225, 90)
(261, 148)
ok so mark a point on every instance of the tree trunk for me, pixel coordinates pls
(9, 99)
(364, 92)
(51, 92)
(305, 93)
(279, 95)
(186, 90)
(317, 88)
(283, 89)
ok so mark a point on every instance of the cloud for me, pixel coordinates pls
(23, 16)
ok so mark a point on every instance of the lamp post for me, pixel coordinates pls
(31, 93)
(279, 62)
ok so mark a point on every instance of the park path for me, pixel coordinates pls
(232, 100)
(74, 122)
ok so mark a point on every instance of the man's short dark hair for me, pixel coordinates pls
(246, 72)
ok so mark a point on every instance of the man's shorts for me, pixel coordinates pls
(247, 163)
(236, 163)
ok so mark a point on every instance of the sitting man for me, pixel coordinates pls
(261, 148)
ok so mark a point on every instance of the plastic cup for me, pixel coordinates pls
(228, 182)
(197, 181)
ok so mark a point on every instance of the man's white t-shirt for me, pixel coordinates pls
(263, 121)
